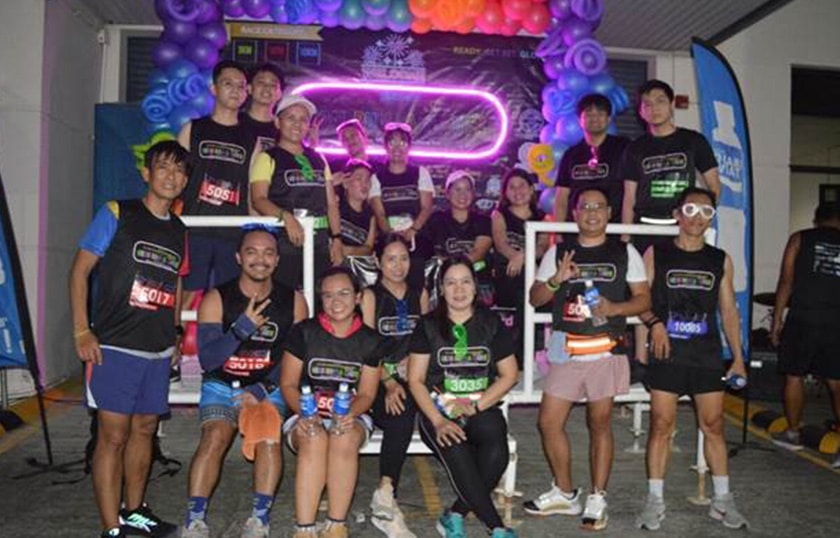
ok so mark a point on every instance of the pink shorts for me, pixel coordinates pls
(588, 380)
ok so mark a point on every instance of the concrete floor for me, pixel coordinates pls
(782, 494)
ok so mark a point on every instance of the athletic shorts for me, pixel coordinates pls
(212, 262)
(217, 402)
(128, 384)
(683, 379)
(591, 380)
(808, 349)
(288, 428)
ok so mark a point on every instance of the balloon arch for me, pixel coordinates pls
(573, 60)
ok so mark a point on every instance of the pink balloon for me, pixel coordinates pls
(491, 18)
(516, 9)
(537, 20)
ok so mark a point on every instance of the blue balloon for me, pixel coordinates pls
(601, 83)
(181, 114)
(351, 14)
(376, 7)
(572, 80)
(181, 68)
(157, 76)
(152, 128)
(546, 202)
(399, 16)
(328, 5)
(279, 14)
(203, 103)
(301, 11)
(547, 133)
(568, 129)
(156, 107)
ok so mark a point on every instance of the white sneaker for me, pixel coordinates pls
(395, 528)
(383, 505)
(254, 528)
(595, 513)
(197, 529)
(652, 514)
(723, 509)
(554, 501)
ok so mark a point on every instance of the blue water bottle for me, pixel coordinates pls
(341, 407)
(736, 382)
(592, 297)
(308, 411)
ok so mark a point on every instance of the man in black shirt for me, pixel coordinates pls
(265, 88)
(594, 162)
(691, 282)
(810, 337)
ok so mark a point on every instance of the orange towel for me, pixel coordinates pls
(259, 423)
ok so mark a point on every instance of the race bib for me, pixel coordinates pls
(686, 329)
(576, 310)
(248, 361)
(150, 295)
(218, 191)
(324, 399)
(460, 384)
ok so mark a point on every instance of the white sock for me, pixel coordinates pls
(720, 484)
(566, 494)
(656, 487)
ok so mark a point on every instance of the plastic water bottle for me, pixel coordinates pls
(341, 407)
(237, 390)
(592, 297)
(437, 398)
(308, 411)
(736, 382)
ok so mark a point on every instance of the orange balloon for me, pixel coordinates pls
(466, 26)
(473, 8)
(448, 15)
(421, 26)
(422, 8)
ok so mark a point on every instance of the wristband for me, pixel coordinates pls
(81, 333)
(551, 287)
(335, 235)
(475, 406)
(651, 322)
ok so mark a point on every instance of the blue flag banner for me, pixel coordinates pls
(724, 123)
(12, 354)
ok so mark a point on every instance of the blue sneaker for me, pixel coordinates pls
(504, 533)
(451, 525)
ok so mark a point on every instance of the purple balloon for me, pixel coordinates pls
(329, 19)
(573, 81)
(233, 8)
(256, 9)
(308, 13)
(376, 8)
(328, 5)
(178, 31)
(588, 10)
(399, 16)
(215, 33)
(560, 9)
(181, 68)
(166, 52)
(208, 11)
(587, 56)
(279, 14)
(553, 66)
(176, 10)
(574, 30)
(374, 23)
(202, 53)
(552, 43)
(568, 129)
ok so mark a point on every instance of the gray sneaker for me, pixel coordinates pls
(383, 505)
(652, 514)
(254, 528)
(788, 439)
(836, 463)
(196, 529)
(723, 509)
(554, 501)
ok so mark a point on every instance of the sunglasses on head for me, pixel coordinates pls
(691, 209)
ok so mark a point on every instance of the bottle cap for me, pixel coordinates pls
(306, 389)
(589, 283)
(344, 387)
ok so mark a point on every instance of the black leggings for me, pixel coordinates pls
(396, 435)
(476, 465)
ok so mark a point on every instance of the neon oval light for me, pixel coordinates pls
(495, 103)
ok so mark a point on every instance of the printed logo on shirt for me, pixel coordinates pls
(149, 294)
(657, 164)
(597, 272)
(583, 172)
(218, 191)
(246, 361)
(400, 194)
(296, 178)
(334, 370)
(213, 150)
(265, 142)
(266, 333)
(390, 325)
(690, 280)
(474, 357)
(515, 240)
(458, 246)
(353, 233)
(157, 256)
(826, 259)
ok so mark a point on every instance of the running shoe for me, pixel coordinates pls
(142, 520)
(836, 463)
(451, 525)
(554, 501)
(504, 533)
(595, 513)
(395, 527)
(113, 533)
(788, 439)
(723, 509)
(652, 514)
(382, 504)
(334, 530)
(254, 528)
(308, 532)
(196, 529)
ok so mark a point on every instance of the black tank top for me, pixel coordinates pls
(264, 132)
(255, 357)
(396, 319)
(606, 266)
(815, 298)
(138, 278)
(515, 227)
(452, 237)
(355, 225)
(685, 297)
(221, 156)
(292, 190)
(400, 193)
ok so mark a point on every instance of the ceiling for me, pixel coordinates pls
(640, 24)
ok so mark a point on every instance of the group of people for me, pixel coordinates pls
(413, 352)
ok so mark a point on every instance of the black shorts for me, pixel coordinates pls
(682, 379)
(809, 349)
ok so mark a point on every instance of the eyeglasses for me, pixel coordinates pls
(592, 206)
(344, 295)
(705, 210)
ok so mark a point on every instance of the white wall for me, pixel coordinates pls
(814, 142)
(802, 33)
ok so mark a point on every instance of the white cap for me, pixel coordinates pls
(456, 175)
(292, 100)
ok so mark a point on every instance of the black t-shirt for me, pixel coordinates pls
(400, 192)
(685, 297)
(256, 357)
(515, 227)
(396, 320)
(355, 225)
(474, 368)
(329, 360)
(452, 237)
(815, 298)
(138, 279)
(575, 173)
(264, 132)
(663, 167)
